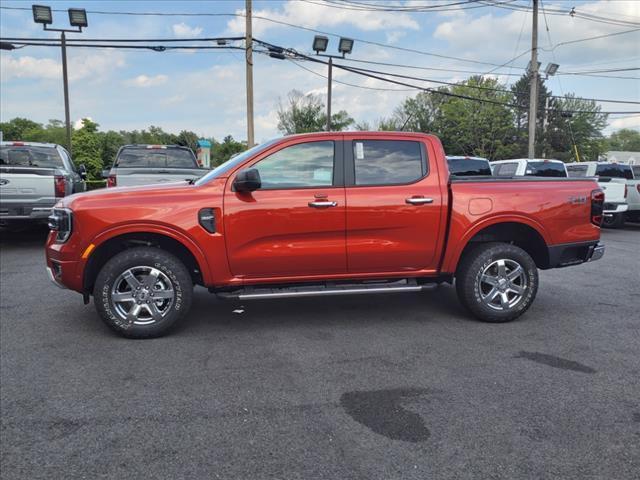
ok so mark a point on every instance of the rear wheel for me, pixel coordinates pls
(142, 292)
(497, 282)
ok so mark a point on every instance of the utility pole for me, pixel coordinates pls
(533, 92)
(249, 69)
(545, 123)
(329, 94)
(65, 80)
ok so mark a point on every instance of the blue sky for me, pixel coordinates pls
(204, 91)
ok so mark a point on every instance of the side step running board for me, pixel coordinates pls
(325, 290)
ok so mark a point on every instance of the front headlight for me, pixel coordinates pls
(61, 221)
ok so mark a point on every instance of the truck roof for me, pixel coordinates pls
(528, 160)
(19, 143)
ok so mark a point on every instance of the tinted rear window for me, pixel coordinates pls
(577, 170)
(156, 158)
(463, 167)
(505, 169)
(387, 162)
(545, 169)
(636, 171)
(614, 170)
(28, 156)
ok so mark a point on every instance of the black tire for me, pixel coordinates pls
(614, 221)
(173, 277)
(474, 293)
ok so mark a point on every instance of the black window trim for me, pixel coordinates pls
(338, 166)
(350, 166)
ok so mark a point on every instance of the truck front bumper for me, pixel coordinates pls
(25, 211)
(613, 208)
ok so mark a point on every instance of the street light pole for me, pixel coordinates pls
(533, 92)
(65, 80)
(329, 94)
(249, 72)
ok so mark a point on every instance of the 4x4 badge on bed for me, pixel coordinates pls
(577, 200)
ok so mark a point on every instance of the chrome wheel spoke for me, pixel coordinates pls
(493, 293)
(152, 278)
(502, 269)
(515, 273)
(491, 280)
(162, 294)
(153, 311)
(517, 289)
(132, 315)
(504, 300)
(131, 280)
(123, 297)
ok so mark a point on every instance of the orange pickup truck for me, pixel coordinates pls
(321, 214)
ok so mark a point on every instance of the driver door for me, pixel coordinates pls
(294, 225)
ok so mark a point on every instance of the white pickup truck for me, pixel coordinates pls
(612, 179)
(149, 164)
(33, 177)
(530, 167)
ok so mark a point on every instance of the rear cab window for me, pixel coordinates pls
(505, 169)
(30, 156)
(614, 170)
(462, 167)
(577, 170)
(545, 169)
(388, 162)
(636, 171)
(145, 157)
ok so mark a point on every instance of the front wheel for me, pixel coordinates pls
(142, 292)
(497, 282)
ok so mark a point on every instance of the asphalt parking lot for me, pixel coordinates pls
(379, 387)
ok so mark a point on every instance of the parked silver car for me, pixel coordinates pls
(33, 177)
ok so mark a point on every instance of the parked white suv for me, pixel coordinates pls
(534, 167)
(612, 179)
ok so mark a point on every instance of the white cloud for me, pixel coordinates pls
(625, 122)
(77, 125)
(183, 30)
(145, 81)
(29, 67)
(393, 37)
(92, 65)
(314, 15)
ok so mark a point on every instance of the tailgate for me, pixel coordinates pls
(613, 190)
(27, 185)
(128, 177)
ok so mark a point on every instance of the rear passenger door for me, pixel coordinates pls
(394, 205)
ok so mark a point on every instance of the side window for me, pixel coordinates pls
(65, 155)
(505, 169)
(298, 166)
(388, 162)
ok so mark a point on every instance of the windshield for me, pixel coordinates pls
(636, 171)
(30, 156)
(577, 170)
(463, 167)
(546, 169)
(232, 163)
(614, 170)
(143, 157)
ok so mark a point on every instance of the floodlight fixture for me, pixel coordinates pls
(78, 17)
(42, 14)
(320, 43)
(345, 46)
(551, 69)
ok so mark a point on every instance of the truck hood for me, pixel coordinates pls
(117, 194)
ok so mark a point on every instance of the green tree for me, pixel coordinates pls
(521, 94)
(110, 142)
(223, 151)
(87, 148)
(188, 139)
(306, 113)
(625, 140)
(19, 128)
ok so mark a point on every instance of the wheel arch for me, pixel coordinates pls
(520, 232)
(115, 241)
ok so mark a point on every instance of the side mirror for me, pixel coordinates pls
(105, 174)
(247, 180)
(82, 170)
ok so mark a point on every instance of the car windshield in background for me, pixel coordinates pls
(463, 167)
(30, 156)
(614, 170)
(636, 171)
(156, 158)
(546, 169)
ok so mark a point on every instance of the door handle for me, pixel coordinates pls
(322, 204)
(418, 200)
